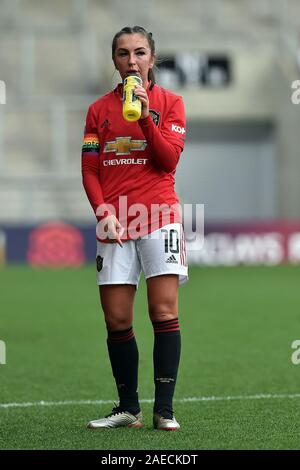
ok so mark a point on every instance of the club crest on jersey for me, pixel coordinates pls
(155, 116)
(124, 146)
(105, 123)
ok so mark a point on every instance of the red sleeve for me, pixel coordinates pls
(90, 162)
(166, 144)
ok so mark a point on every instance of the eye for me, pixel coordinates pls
(122, 54)
(140, 53)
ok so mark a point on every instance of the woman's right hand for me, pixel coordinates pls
(113, 229)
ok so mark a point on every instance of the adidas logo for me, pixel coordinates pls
(172, 259)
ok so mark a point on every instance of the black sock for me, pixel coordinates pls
(124, 358)
(166, 355)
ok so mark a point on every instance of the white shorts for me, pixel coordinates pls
(160, 252)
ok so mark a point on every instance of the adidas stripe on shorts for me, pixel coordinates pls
(160, 252)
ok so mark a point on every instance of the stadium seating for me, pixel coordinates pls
(55, 60)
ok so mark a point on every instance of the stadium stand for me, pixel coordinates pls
(54, 60)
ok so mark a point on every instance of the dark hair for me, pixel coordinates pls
(143, 32)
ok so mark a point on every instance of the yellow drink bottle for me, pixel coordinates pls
(132, 106)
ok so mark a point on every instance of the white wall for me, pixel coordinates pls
(234, 178)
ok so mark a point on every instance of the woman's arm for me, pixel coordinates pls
(164, 153)
(167, 143)
(90, 181)
(90, 164)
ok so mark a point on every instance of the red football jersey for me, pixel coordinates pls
(129, 163)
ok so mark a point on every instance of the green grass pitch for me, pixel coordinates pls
(237, 326)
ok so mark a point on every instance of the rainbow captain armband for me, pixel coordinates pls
(91, 144)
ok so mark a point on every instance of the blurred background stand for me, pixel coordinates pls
(232, 61)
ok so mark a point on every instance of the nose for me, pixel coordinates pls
(131, 59)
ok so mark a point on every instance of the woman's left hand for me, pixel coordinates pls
(142, 95)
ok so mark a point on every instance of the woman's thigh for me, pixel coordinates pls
(117, 303)
(162, 293)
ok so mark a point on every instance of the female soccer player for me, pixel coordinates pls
(128, 171)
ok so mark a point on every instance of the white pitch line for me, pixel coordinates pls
(260, 396)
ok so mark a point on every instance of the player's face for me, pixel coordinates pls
(133, 54)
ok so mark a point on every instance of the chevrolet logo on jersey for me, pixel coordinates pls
(124, 146)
